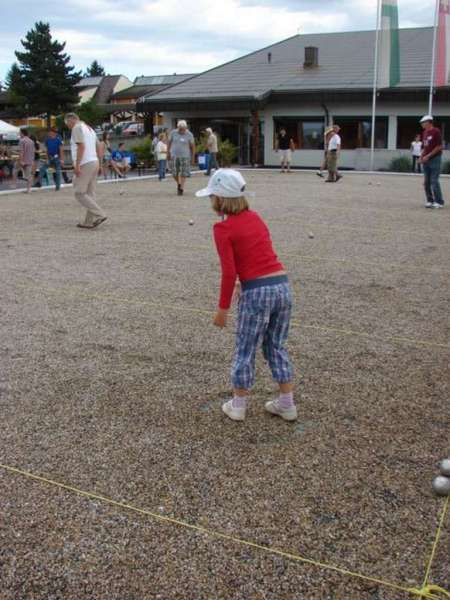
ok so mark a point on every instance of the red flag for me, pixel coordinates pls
(443, 44)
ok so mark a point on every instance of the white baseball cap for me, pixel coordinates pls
(426, 118)
(226, 183)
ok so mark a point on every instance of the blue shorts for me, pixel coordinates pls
(263, 320)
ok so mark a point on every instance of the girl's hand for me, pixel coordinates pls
(220, 318)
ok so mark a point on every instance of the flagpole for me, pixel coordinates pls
(375, 82)
(433, 59)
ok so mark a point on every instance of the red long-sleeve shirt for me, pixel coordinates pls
(245, 250)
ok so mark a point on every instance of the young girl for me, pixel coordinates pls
(245, 251)
(161, 155)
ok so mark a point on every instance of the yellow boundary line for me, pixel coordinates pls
(427, 591)
(336, 330)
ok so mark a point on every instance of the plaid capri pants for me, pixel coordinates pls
(263, 320)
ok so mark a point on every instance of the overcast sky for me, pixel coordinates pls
(154, 37)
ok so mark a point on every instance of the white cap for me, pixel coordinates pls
(209, 130)
(426, 118)
(226, 183)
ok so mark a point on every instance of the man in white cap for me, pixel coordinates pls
(181, 153)
(431, 161)
(213, 150)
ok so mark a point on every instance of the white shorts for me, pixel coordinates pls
(286, 156)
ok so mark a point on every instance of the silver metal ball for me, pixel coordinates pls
(311, 235)
(441, 485)
(191, 222)
(444, 467)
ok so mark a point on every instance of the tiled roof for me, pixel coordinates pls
(345, 63)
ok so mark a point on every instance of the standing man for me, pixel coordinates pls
(416, 151)
(55, 157)
(85, 151)
(181, 153)
(334, 148)
(286, 146)
(431, 160)
(326, 139)
(213, 150)
(26, 158)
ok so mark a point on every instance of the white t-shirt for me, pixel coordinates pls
(161, 150)
(416, 148)
(83, 134)
(335, 142)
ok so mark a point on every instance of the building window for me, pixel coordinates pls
(409, 127)
(356, 132)
(306, 133)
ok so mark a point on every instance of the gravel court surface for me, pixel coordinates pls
(122, 398)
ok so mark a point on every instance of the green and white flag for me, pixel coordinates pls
(389, 46)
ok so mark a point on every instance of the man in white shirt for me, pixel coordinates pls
(213, 149)
(334, 148)
(85, 150)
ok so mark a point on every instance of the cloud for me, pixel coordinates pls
(166, 36)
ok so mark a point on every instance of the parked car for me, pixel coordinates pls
(133, 129)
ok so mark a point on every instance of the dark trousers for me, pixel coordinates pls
(416, 167)
(431, 171)
(212, 164)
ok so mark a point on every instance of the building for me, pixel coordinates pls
(302, 84)
(123, 103)
(102, 88)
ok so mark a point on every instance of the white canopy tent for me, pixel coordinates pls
(8, 132)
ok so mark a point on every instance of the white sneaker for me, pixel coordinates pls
(235, 414)
(437, 205)
(429, 205)
(288, 414)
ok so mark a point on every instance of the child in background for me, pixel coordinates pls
(245, 250)
(161, 155)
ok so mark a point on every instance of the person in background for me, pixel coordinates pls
(213, 149)
(181, 153)
(118, 161)
(105, 150)
(26, 159)
(334, 148)
(86, 153)
(285, 145)
(161, 156)
(246, 255)
(416, 151)
(431, 159)
(37, 157)
(326, 139)
(55, 158)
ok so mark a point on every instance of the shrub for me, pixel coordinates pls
(401, 164)
(446, 167)
(227, 153)
(144, 150)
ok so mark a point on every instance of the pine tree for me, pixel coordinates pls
(13, 83)
(46, 82)
(95, 70)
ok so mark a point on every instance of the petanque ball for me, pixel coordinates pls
(311, 235)
(441, 485)
(191, 222)
(444, 467)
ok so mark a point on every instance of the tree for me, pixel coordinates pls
(43, 79)
(13, 83)
(91, 113)
(95, 70)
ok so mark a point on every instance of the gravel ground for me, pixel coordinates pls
(112, 378)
